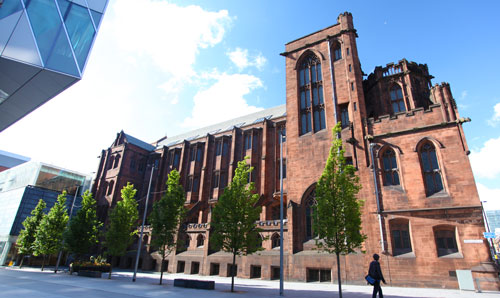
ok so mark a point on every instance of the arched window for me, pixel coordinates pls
(275, 240)
(390, 167)
(312, 107)
(117, 161)
(430, 169)
(446, 242)
(110, 187)
(400, 233)
(397, 100)
(337, 51)
(310, 215)
(200, 240)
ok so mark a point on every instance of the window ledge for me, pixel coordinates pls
(397, 188)
(456, 255)
(441, 194)
(408, 255)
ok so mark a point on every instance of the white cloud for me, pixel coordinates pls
(464, 94)
(166, 36)
(486, 162)
(242, 59)
(489, 196)
(223, 100)
(496, 116)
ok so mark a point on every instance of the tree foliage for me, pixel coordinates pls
(49, 234)
(82, 233)
(338, 219)
(166, 217)
(122, 223)
(27, 235)
(233, 218)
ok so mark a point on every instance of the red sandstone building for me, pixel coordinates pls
(421, 212)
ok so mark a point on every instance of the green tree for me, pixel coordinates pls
(166, 217)
(122, 223)
(27, 235)
(82, 233)
(337, 221)
(49, 235)
(233, 218)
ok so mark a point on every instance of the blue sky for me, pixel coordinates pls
(165, 67)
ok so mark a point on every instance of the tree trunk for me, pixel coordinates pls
(232, 271)
(161, 268)
(22, 260)
(110, 269)
(43, 262)
(339, 275)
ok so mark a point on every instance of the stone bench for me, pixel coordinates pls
(194, 284)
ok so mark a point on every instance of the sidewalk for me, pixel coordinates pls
(31, 282)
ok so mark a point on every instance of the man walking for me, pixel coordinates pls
(376, 273)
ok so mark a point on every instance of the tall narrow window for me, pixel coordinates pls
(275, 240)
(218, 148)
(400, 233)
(177, 156)
(337, 51)
(248, 141)
(117, 161)
(430, 169)
(312, 107)
(225, 147)
(310, 215)
(199, 154)
(196, 184)
(390, 168)
(344, 116)
(222, 180)
(192, 153)
(110, 187)
(397, 100)
(215, 180)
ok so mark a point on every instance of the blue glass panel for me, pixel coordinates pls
(9, 7)
(97, 17)
(430, 184)
(315, 96)
(308, 99)
(301, 77)
(97, 5)
(308, 122)
(46, 24)
(439, 183)
(313, 73)
(63, 6)
(8, 24)
(319, 72)
(21, 45)
(434, 162)
(80, 30)
(307, 76)
(396, 178)
(61, 58)
(402, 107)
(425, 162)
(302, 100)
(304, 124)
(386, 163)
(316, 120)
(320, 91)
(322, 116)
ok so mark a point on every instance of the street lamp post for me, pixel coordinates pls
(142, 226)
(281, 211)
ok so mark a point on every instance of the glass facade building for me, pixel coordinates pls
(22, 187)
(44, 46)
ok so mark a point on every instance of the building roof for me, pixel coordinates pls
(10, 160)
(135, 141)
(228, 125)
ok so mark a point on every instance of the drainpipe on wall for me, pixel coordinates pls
(377, 198)
(334, 98)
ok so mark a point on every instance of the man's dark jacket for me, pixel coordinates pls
(375, 271)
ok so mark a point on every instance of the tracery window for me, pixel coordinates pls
(390, 168)
(430, 169)
(344, 116)
(312, 107)
(337, 51)
(310, 215)
(397, 100)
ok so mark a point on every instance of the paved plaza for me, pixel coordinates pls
(31, 282)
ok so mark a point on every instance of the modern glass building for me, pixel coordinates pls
(22, 187)
(44, 46)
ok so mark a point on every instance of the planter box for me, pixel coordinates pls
(87, 273)
(194, 284)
